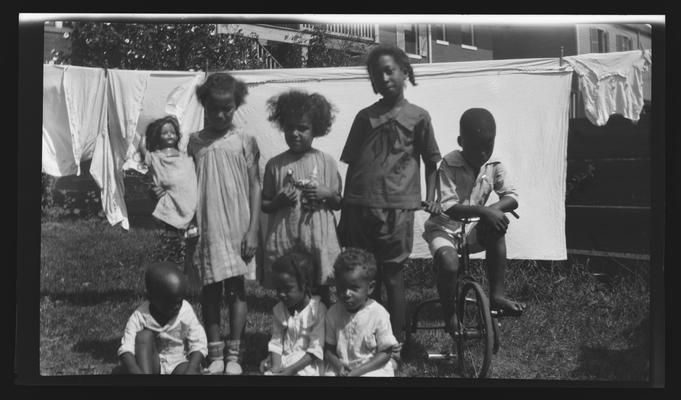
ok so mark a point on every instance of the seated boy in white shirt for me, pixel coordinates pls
(163, 335)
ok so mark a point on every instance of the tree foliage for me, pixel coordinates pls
(321, 54)
(179, 47)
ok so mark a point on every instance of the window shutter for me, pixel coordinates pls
(593, 35)
(422, 31)
(606, 42)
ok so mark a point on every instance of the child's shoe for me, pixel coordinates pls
(216, 362)
(232, 367)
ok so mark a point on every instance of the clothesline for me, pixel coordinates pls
(98, 114)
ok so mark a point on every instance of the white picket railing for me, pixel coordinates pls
(361, 31)
(270, 61)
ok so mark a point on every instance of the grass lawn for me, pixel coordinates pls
(578, 326)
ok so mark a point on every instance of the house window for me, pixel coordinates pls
(439, 32)
(411, 39)
(623, 43)
(599, 40)
(467, 35)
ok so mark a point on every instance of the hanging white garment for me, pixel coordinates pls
(611, 83)
(74, 105)
(529, 99)
(125, 93)
(184, 105)
(57, 152)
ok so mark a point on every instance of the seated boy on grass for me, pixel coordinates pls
(163, 335)
(466, 178)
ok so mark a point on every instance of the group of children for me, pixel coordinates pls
(305, 251)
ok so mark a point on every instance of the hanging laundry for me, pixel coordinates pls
(611, 83)
(528, 98)
(184, 105)
(74, 104)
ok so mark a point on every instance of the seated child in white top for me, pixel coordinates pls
(359, 337)
(297, 343)
(163, 335)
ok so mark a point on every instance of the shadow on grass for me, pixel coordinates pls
(103, 350)
(255, 351)
(260, 303)
(91, 297)
(630, 364)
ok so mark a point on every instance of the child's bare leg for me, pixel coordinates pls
(236, 298)
(446, 262)
(397, 304)
(146, 353)
(496, 273)
(210, 310)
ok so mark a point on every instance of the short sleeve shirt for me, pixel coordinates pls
(181, 335)
(359, 336)
(293, 336)
(383, 152)
(458, 185)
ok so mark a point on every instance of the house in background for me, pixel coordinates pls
(424, 43)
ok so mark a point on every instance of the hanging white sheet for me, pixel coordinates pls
(529, 99)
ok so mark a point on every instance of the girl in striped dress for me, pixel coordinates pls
(226, 161)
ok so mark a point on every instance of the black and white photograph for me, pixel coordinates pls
(357, 199)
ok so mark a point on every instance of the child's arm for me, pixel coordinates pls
(432, 207)
(196, 340)
(126, 352)
(271, 202)
(332, 359)
(130, 363)
(376, 362)
(250, 241)
(297, 366)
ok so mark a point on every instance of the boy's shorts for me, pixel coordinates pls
(438, 236)
(170, 361)
(386, 232)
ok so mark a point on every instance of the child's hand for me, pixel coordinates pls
(158, 191)
(265, 365)
(249, 245)
(345, 371)
(495, 219)
(287, 196)
(432, 207)
(317, 192)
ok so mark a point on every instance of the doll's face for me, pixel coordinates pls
(168, 136)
